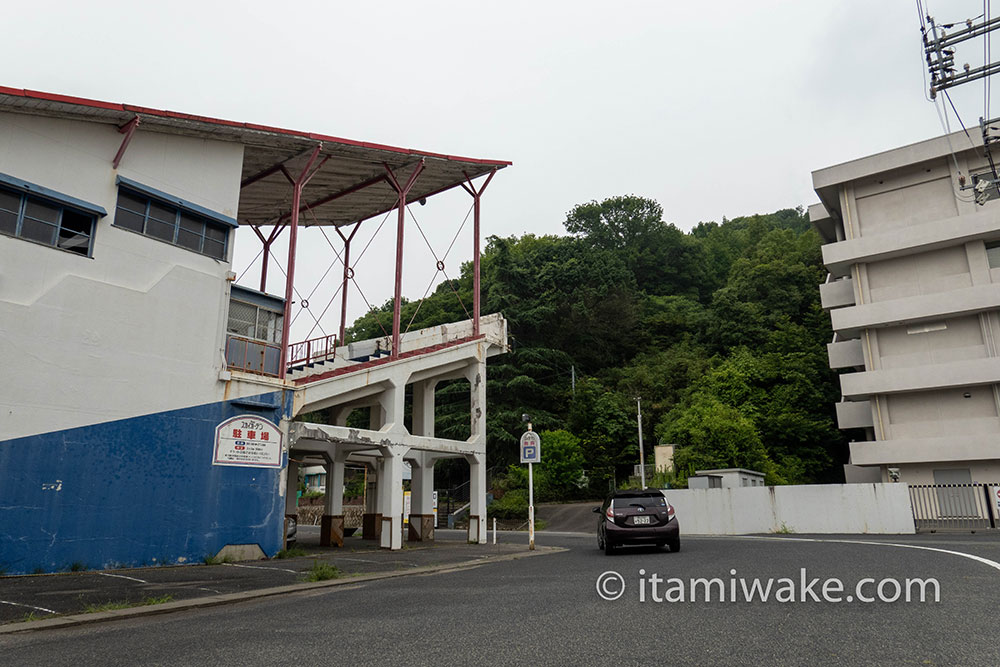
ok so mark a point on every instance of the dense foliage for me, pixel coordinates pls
(719, 330)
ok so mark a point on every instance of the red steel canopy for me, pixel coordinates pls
(350, 185)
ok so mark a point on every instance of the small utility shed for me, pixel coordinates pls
(725, 478)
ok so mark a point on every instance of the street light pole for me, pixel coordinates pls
(642, 465)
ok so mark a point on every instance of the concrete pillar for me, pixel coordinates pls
(421, 498)
(371, 522)
(393, 403)
(332, 525)
(391, 482)
(377, 417)
(423, 408)
(291, 495)
(476, 374)
(477, 498)
(340, 415)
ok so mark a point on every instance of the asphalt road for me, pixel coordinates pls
(547, 610)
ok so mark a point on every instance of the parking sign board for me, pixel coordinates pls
(531, 448)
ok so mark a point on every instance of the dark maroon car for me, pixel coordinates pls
(637, 517)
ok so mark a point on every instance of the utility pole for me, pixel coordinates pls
(642, 464)
(939, 52)
(572, 370)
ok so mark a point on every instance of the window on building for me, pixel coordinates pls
(45, 221)
(146, 215)
(993, 254)
(254, 322)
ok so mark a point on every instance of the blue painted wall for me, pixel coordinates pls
(139, 491)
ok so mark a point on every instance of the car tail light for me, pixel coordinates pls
(670, 511)
(610, 513)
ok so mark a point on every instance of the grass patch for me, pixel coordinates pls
(321, 571)
(215, 560)
(123, 604)
(784, 530)
(148, 602)
(33, 616)
(294, 552)
(106, 606)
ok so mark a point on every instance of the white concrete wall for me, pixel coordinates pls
(138, 328)
(820, 508)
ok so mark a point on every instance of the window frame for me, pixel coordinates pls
(27, 193)
(183, 212)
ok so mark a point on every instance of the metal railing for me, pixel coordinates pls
(312, 351)
(955, 506)
(252, 356)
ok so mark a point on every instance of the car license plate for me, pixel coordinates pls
(637, 520)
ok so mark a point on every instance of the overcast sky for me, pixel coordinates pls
(713, 109)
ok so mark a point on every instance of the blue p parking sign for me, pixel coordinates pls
(531, 448)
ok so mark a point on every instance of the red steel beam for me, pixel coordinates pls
(476, 199)
(348, 274)
(128, 129)
(337, 195)
(286, 322)
(401, 205)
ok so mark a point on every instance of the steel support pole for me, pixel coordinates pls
(476, 202)
(397, 299)
(293, 233)
(348, 274)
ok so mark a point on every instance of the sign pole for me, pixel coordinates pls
(531, 453)
(531, 509)
(642, 463)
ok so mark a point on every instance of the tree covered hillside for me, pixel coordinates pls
(719, 330)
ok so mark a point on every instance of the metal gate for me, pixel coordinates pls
(955, 506)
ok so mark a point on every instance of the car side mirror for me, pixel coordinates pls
(597, 510)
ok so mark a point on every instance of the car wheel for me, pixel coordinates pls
(600, 541)
(674, 545)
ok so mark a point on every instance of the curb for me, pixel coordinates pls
(230, 598)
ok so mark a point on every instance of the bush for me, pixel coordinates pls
(321, 571)
(513, 505)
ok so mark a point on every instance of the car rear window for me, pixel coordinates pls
(640, 501)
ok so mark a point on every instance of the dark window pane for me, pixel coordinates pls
(131, 202)
(10, 201)
(214, 249)
(39, 211)
(160, 230)
(162, 213)
(190, 240)
(77, 222)
(216, 233)
(38, 231)
(192, 224)
(129, 220)
(74, 242)
(8, 222)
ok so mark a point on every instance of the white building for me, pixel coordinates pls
(914, 294)
(127, 349)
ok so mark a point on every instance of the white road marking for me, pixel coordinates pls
(356, 560)
(29, 606)
(122, 576)
(258, 567)
(985, 561)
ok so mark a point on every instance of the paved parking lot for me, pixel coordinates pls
(43, 596)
